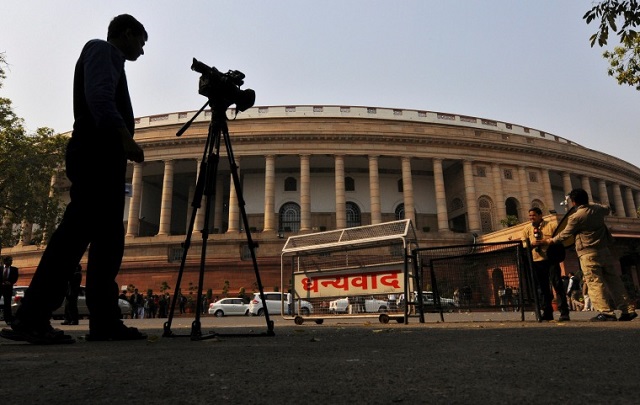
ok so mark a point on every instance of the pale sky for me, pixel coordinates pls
(523, 62)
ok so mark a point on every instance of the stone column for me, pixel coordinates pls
(631, 205)
(586, 186)
(566, 182)
(234, 209)
(441, 197)
(617, 197)
(374, 190)
(548, 193)
(341, 203)
(269, 193)
(501, 208)
(407, 190)
(133, 222)
(524, 191)
(26, 230)
(637, 194)
(198, 226)
(219, 205)
(167, 198)
(305, 193)
(604, 196)
(473, 215)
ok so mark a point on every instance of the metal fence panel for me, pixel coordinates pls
(479, 277)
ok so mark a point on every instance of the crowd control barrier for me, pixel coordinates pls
(355, 272)
(478, 277)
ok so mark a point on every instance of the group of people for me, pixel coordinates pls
(149, 306)
(604, 286)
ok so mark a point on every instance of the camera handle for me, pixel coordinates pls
(206, 186)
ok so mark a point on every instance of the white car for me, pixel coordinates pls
(274, 304)
(428, 301)
(371, 305)
(18, 293)
(229, 306)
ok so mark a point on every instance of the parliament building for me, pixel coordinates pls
(311, 168)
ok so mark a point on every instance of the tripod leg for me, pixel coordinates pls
(212, 143)
(245, 221)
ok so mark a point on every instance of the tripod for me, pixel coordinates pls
(206, 186)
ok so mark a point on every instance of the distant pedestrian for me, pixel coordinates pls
(71, 316)
(9, 278)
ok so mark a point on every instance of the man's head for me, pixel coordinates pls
(8, 260)
(579, 197)
(535, 215)
(128, 35)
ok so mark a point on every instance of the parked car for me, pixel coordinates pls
(83, 311)
(429, 302)
(18, 293)
(274, 304)
(371, 305)
(229, 306)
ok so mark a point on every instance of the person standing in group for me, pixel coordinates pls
(593, 241)
(71, 316)
(96, 161)
(9, 278)
(546, 272)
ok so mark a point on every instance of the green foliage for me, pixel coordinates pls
(509, 221)
(28, 162)
(164, 286)
(624, 63)
(624, 60)
(609, 13)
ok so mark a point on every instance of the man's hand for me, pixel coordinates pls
(540, 242)
(132, 151)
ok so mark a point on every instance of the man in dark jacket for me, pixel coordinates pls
(96, 161)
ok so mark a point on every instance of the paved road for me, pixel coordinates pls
(475, 358)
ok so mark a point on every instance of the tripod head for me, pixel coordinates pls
(223, 89)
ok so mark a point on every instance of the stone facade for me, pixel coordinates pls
(314, 168)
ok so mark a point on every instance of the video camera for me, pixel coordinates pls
(223, 89)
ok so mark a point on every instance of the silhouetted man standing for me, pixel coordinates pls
(96, 160)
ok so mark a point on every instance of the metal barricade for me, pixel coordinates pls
(479, 277)
(354, 272)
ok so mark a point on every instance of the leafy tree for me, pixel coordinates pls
(509, 221)
(624, 60)
(28, 163)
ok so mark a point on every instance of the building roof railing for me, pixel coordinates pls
(336, 111)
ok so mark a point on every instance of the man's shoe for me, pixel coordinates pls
(603, 318)
(119, 332)
(628, 317)
(40, 335)
(564, 318)
(546, 317)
